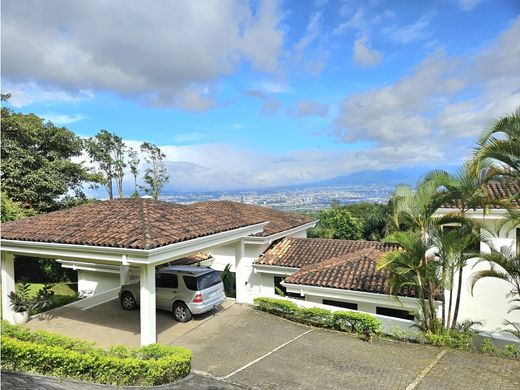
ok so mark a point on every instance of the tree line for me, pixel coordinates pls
(40, 170)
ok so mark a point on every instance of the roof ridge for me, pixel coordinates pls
(143, 211)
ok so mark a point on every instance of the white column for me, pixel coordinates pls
(7, 285)
(240, 277)
(124, 271)
(147, 305)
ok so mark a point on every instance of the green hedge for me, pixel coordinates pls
(350, 321)
(49, 354)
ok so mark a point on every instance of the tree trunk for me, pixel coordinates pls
(457, 302)
(450, 305)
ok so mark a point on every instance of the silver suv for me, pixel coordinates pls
(185, 290)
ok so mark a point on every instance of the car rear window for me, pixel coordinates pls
(202, 282)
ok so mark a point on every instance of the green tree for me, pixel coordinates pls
(463, 190)
(500, 145)
(410, 272)
(108, 151)
(155, 174)
(133, 163)
(337, 222)
(11, 211)
(37, 167)
(374, 217)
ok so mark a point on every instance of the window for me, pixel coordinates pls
(201, 282)
(386, 311)
(346, 305)
(279, 289)
(166, 281)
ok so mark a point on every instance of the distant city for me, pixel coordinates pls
(292, 199)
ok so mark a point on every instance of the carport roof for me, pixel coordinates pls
(127, 223)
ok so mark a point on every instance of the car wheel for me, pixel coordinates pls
(128, 301)
(181, 313)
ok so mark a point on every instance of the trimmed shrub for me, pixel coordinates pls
(355, 322)
(362, 323)
(316, 316)
(50, 354)
(276, 306)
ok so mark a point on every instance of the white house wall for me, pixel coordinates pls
(93, 282)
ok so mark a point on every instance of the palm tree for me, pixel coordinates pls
(505, 265)
(465, 191)
(409, 272)
(500, 144)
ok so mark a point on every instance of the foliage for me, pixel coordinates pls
(37, 167)
(351, 321)
(374, 218)
(11, 211)
(19, 299)
(49, 354)
(108, 151)
(500, 145)
(155, 175)
(411, 270)
(43, 300)
(337, 222)
(356, 322)
(228, 279)
(133, 163)
(276, 306)
(42, 270)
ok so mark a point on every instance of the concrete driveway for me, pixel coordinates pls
(257, 350)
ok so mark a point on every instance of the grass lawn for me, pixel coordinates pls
(64, 293)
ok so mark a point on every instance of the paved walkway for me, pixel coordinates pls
(256, 350)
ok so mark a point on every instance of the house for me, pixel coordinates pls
(489, 301)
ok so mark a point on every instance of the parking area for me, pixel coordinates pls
(258, 350)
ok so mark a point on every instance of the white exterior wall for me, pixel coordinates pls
(489, 302)
(96, 282)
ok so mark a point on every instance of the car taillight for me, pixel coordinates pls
(198, 298)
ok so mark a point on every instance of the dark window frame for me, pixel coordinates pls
(343, 304)
(395, 313)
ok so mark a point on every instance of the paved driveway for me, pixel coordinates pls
(257, 350)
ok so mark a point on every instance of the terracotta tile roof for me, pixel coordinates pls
(505, 190)
(499, 190)
(126, 223)
(301, 252)
(279, 221)
(353, 271)
(341, 264)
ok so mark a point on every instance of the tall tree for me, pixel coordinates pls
(133, 163)
(107, 150)
(155, 174)
(410, 272)
(37, 167)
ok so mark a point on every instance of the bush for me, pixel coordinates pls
(276, 306)
(459, 339)
(356, 322)
(55, 355)
(316, 316)
(362, 323)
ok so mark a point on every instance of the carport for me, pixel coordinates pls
(130, 232)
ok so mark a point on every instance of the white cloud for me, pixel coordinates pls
(165, 53)
(468, 5)
(411, 32)
(364, 55)
(62, 119)
(309, 108)
(441, 106)
(26, 93)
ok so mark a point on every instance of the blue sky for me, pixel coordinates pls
(258, 94)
